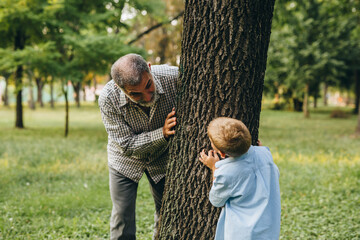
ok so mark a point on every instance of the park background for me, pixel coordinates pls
(55, 57)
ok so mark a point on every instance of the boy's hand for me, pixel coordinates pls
(210, 159)
(259, 142)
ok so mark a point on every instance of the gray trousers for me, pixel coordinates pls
(123, 193)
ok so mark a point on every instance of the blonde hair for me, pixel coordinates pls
(229, 135)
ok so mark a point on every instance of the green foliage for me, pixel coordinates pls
(52, 188)
(313, 42)
(67, 38)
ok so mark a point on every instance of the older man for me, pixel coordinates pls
(137, 109)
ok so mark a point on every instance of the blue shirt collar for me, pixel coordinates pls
(239, 158)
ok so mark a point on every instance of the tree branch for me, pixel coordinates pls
(155, 27)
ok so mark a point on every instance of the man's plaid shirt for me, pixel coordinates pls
(135, 140)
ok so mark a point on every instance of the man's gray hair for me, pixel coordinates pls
(128, 69)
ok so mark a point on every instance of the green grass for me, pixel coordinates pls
(57, 188)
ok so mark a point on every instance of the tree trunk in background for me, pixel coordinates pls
(224, 53)
(31, 102)
(315, 102)
(19, 108)
(298, 105)
(358, 122)
(326, 87)
(52, 105)
(306, 102)
(84, 93)
(347, 98)
(19, 44)
(357, 91)
(95, 86)
(65, 89)
(163, 44)
(6, 92)
(77, 88)
(40, 86)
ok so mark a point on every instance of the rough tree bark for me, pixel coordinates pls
(224, 53)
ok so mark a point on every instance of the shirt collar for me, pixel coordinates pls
(231, 159)
(124, 99)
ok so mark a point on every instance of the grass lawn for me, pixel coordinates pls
(57, 188)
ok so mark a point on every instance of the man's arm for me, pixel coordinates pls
(136, 145)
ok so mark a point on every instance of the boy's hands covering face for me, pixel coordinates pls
(210, 159)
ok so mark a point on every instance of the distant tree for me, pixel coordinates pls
(224, 53)
(357, 131)
(20, 25)
(89, 37)
(8, 65)
(311, 41)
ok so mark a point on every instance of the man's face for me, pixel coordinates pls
(144, 94)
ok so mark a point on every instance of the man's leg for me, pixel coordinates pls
(123, 195)
(157, 191)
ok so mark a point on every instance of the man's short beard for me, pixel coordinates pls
(143, 103)
(151, 103)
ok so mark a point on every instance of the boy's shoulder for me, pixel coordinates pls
(261, 150)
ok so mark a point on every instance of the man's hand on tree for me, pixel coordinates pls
(170, 122)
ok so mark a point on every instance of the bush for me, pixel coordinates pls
(339, 114)
(278, 104)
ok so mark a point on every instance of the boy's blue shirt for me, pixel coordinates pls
(247, 187)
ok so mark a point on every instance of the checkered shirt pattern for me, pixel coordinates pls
(135, 140)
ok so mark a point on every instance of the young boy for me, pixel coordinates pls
(246, 184)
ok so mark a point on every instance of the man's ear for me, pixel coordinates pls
(149, 66)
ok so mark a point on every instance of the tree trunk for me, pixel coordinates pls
(163, 44)
(95, 86)
(84, 93)
(40, 86)
(326, 87)
(315, 101)
(298, 105)
(306, 102)
(65, 90)
(222, 71)
(77, 87)
(31, 102)
(357, 91)
(19, 44)
(357, 132)
(6, 92)
(18, 90)
(52, 105)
